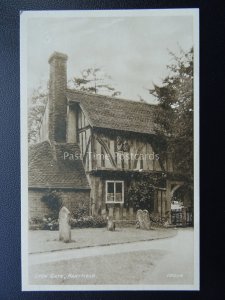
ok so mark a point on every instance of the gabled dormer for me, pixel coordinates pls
(116, 134)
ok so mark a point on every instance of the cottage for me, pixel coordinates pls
(94, 148)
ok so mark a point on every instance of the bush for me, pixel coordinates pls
(35, 223)
(53, 200)
(80, 212)
(51, 223)
(157, 221)
(141, 196)
(45, 223)
(35, 220)
(89, 221)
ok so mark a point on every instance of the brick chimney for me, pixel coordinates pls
(57, 97)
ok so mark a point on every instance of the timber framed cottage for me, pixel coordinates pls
(93, 148)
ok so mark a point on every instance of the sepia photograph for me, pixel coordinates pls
(110, 149)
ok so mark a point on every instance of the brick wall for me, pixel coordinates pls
(71, 199)
(57, 97)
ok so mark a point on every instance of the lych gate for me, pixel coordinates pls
(182, 216)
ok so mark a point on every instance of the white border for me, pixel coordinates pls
(25, 15)
(196, 151)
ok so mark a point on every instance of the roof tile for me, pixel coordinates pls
(48, 168)
(115, 113)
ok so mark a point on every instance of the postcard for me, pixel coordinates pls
(110, 149)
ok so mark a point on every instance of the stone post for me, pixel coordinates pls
(146, 219)
(64, 225)
(111, 224)
(184, 215)
(140, 219)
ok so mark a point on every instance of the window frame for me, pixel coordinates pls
(106, 190)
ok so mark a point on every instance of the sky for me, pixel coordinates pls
(132, 50)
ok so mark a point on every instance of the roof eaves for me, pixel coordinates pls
(58, 187)
(124, 130)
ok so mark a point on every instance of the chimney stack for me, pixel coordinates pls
(57, 97)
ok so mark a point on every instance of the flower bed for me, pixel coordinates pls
(51, 223)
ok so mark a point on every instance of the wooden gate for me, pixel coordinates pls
(182, 217)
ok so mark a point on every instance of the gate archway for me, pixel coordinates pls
(181, 212)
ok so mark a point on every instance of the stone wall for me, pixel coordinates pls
(71, 199)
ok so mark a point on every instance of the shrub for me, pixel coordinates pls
(157, 221)
(89, 221)
(50, 224)
(35, 220)
(45, 223)
(141, 196)
(35, 223)
(142, 191)
(80, 212)
(53, 200)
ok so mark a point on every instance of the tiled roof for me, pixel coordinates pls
(48, 168)
(115, 113)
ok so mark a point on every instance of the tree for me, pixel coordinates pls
(175, 110)
(37, 104)
(94, 80)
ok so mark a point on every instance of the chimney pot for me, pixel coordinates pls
(57, 55)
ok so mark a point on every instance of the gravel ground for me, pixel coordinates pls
(44, 240)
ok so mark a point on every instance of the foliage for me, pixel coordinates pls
(52, 223)
(53, 200)
(141, 196)
(89, 221)
(37, 104)
(35, 222)
(94, 80)
(80, 212)
(141, 193)
(45, 223)
(175, 113)
(157, 221)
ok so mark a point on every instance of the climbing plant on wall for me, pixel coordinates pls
(141, 196)
(142, 191)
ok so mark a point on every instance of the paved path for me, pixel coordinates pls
(48, 241)
(56, 256)
(165, 261)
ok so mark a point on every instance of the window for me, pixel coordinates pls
(114, 191)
